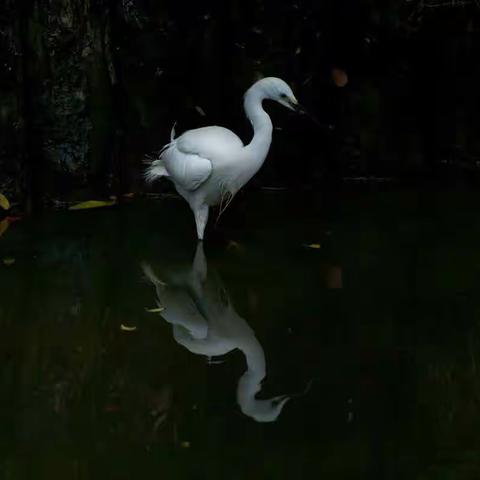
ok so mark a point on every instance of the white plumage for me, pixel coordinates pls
(209, 165)
(205, 322)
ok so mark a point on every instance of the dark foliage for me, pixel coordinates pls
(89, 87)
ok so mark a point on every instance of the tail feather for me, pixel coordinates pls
(172, 132)
(156, 167)
(155, 170)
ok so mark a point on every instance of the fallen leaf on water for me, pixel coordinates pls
(124, 195)
(315, 246)
(92, 204)
(233, 245)
(112, 408)
(159, 421)
(334, 277)
(4, 203)
(155, 310)
(339, 77)
(200, 111)
(8, 261)
(126, 328)
(4, 224)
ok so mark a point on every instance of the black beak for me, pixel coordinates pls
(302, 111)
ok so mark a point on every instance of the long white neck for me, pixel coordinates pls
(262, 125)
(250, 383)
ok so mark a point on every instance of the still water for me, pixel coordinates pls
(301, 340)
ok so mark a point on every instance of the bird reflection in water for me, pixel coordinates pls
(205, 322)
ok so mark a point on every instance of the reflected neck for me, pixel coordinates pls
(251, 381)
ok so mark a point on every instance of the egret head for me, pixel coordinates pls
(265, 411)
(249, 385)
(276, 89)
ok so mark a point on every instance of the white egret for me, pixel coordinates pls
(205, 322)
(209, 165)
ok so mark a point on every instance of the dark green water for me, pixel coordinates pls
(375, 335)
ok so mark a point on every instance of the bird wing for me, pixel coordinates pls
(188, 158)
(181, 309)
(209, 142)
(189, 170)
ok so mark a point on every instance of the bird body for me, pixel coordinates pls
(209, 165)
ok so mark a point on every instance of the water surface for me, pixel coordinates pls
(299, 341)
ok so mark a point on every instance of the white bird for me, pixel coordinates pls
(205, 322)
(209, 165)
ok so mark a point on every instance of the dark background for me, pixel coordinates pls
(89, 87)
(383, 312)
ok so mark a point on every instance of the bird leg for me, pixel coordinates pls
(200, 263)
(223, 207)
(201, 218)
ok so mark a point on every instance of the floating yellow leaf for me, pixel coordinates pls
(4, 203)
(93, 204)
(126, 328)
(315, 246)
(8, 261)
(155, 310)
(4, 224)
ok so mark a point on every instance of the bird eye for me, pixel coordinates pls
(283, 95)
